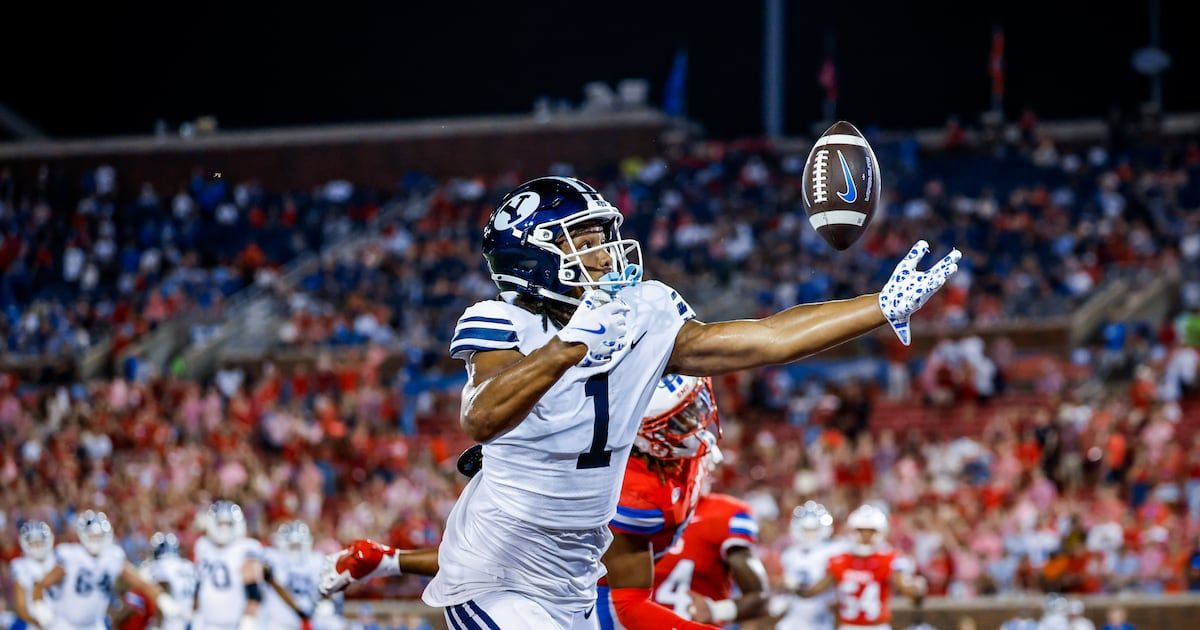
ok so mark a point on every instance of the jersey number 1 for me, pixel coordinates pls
(596, 388)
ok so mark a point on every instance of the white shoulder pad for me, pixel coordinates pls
(488, 325)
(66, 552)
(114, 554)
(660, 297)
(253, 548)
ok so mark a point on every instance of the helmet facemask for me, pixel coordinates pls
(558, 238)
(293, 537)
(870, 525)
(37, 541)
(811, 525)
(226, 523)
(94, 531)
(683, 432)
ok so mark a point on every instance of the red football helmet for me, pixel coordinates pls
(676, 424)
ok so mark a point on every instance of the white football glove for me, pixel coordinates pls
(41, 613)
(169, 608)
(599, 323)
(248, 623)
(909, 289)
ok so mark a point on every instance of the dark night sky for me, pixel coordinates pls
(107, 69)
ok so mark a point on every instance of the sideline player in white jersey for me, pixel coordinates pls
(229, 565)
(804, 563)
(292, 569)
(86, 572)
(36, 560)
(561, 367)
(174, 573)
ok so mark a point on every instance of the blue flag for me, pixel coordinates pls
(675, 94)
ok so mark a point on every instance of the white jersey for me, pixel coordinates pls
(298, 573)
(805, 566)
(27, 572)
(551, 484)
(180, 577)
(87, 584)
(222, 594)
(562, 466)
(328, 614)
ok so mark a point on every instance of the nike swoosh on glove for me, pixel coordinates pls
(909, 289)
(600, 324)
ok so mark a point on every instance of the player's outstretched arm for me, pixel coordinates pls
(166, 604)
(708, 349)
(630, 564)
(503, 385)
(365, 560)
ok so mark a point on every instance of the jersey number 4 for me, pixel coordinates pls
(596, 388)
(676, 590)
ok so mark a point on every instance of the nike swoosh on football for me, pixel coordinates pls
(599, 331)
(851, 195)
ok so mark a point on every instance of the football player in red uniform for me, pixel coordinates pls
(865, 575)
(659, 495)
(716, 551)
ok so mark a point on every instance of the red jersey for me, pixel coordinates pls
(863, 587)
(657, 503)
(698, 561)
(141, 611)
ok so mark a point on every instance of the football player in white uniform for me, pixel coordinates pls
(87, 571)
(804, 563)
(561, 367)
(174, 573)
(229, 565)
(292, 570)
(36, 560)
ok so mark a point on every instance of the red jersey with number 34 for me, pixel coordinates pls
(863, 587)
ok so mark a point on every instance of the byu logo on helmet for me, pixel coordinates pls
(516, 210)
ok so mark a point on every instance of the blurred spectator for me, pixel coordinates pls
(1116, 617)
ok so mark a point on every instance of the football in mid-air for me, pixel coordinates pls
(841, 185)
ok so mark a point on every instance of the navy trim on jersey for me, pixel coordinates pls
(459, 619)
(482, 615)
(485, 334)
(485, 320)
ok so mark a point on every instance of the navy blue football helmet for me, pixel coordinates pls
(164, 544)
(521, 240)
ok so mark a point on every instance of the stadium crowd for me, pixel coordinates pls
(1089, 490)
(82, 264)
(1041, 228)
(1084, 493)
